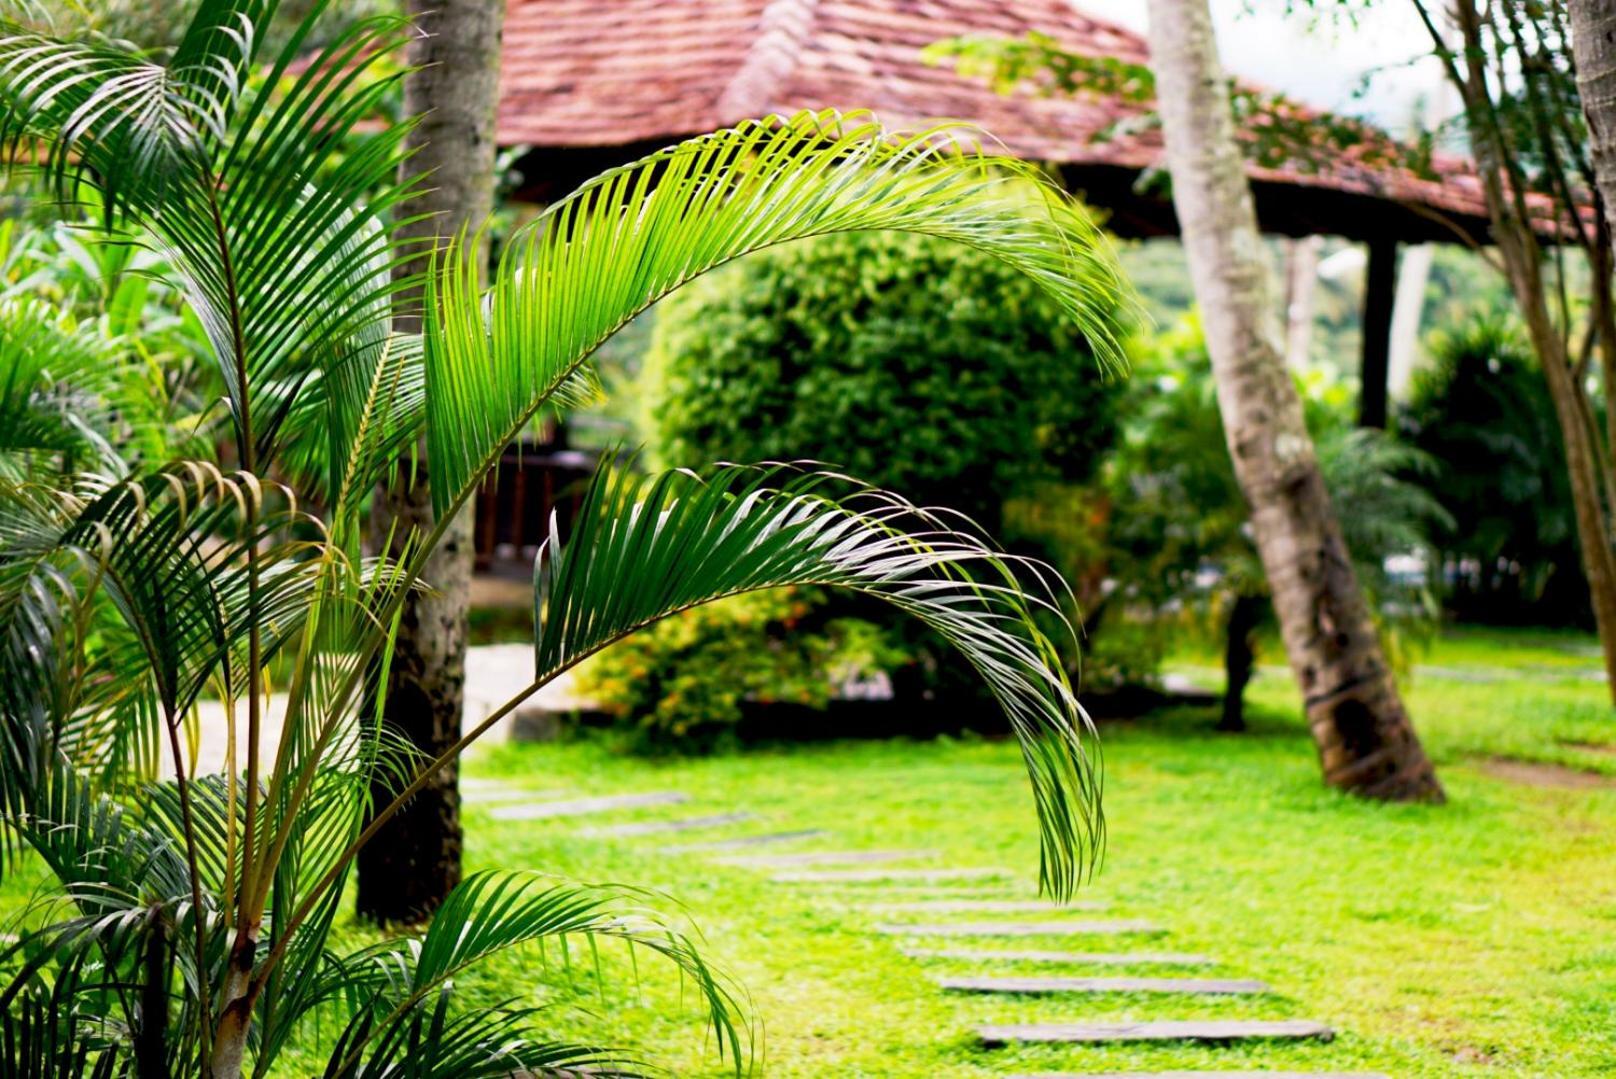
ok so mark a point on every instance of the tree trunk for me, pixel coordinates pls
(1239, 657)
(1366, 743)
(1588, 463)
(413, 862)
(1593, 46)
(1301, 289)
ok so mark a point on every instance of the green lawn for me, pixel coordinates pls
(1475, 938)
(1478, 938)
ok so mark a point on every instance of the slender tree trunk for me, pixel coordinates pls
(1588, 463)
(413, 862)
(1366, 743)
(1301, 289)
(1239, 657)
(1593, 45)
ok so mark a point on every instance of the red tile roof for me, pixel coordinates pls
(602, 73)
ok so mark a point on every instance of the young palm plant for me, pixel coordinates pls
(189, 926)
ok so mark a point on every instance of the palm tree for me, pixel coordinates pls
(1366, 741)
(189, 927)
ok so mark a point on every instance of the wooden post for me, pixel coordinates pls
(1380, 298)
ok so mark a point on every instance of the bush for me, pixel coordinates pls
(683, 684)
(929, 369)
(925, 368)
(1483, 413)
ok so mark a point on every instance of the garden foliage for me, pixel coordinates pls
(920, 366)
(187, 926)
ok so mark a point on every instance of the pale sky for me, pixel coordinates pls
(1319, 64)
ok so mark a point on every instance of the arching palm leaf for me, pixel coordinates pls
(597, 258)
(124, 595)
(643, 548)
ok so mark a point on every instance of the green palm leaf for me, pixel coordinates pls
(594, 260)
(277, 220)
(492, 912)
(56, 385)
(644, 548)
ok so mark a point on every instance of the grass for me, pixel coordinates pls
(1474, 938)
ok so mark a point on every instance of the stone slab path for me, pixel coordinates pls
(742, 842)
(987, 906)
(853, 878)
(876, 876)
(831, 857)
(1198, 1030)
(657, 827)
(1019, 929)
(1100, 959)
(1189, 986)
(578, 807)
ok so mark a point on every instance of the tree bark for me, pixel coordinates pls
(1239, 657)
(413, 862)
(1593, 46)
(1366, 743)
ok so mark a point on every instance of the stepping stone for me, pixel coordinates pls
(1192, 986)
(1204, 1075)
(1172, 1030)
(485, 795)
(1100, 959)
(831, 857)
(746, 841)
(579, 806)
(478, 783)
(654, 827)
(872, 876)
(1020, 929)
(903, 890)
(987, 906)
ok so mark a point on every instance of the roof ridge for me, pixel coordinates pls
(782, 24)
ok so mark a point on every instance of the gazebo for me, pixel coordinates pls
(588, 84)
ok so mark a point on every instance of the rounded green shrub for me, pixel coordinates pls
(924, 367)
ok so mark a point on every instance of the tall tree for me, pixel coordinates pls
(1512, 67)
(1593, 44)
(1366, 743)
(453, 90)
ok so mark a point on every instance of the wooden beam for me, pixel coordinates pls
(1380, 297)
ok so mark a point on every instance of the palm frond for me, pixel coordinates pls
(47, 1031)
(591, 262)
(429, 1042)
(491, 912)
(90, 112)
(644, 548)
(276, 219)
(55, 385)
